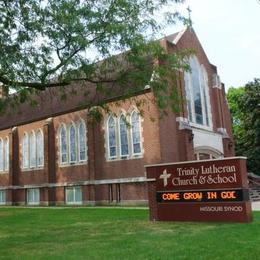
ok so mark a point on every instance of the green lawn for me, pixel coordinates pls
(119, 233)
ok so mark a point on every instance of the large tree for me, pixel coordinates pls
(244, 104)
(50, 43)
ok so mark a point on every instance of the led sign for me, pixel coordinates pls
(209, 190)
(201, 196)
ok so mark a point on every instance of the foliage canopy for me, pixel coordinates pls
(49, 43)
(244, 104)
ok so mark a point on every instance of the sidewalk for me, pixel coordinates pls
(256, 205)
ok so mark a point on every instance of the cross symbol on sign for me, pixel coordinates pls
(165, 177)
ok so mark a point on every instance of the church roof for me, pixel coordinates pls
(55, 101)
(79, 96)
(175, 37)
(171, 37)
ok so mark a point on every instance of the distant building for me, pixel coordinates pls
(51, 155)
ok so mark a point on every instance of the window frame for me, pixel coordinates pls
(81, 122)
(2, 197)
(76, 148)
(39, 149)
(129, 131)
(25, 137)
(108, 138)
(204, 95)
(6, 154)
(33, 202)
(140, 134)
(32, 150)
(67, 130)
(213, 153)
(74, 202)
(123, 156)
(63, 127)
(1, 155)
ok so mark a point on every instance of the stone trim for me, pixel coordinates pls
(165, 164)
(80, 183)
(223, 132)
(116, 117)
(202, 127)
(179, 35)
(216, 86)
(183, 123)
(122, 203)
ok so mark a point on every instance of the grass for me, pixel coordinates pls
(119, 233)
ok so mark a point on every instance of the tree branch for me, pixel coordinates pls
(61, 64)
(35, 85)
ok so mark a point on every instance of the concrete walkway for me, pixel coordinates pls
(256, 205)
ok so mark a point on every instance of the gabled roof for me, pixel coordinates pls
(174, 38)
(79, 96)
(52, 102)
(171, 37)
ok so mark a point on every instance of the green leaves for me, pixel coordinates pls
(41, 40)
(244, 104)
(50, 43)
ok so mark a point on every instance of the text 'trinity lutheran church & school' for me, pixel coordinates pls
(51, 155)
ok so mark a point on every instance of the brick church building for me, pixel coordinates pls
(51, 155)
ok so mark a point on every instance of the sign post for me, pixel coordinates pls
(209, 190)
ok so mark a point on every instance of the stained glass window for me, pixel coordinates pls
(40, 148)
(63, 145)
(82, 142)
(123, 136)
(112, 137)
(6, 154)
(1, 155)
(197, 99)
(32, 150)
(136, 137)
(196, 87)
(73, 148)
(25, 151)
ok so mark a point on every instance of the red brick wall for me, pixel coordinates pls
(190, 41)
(70, 172)
(130, 194)
(132, 167)
(60, 195)
(4, 176)
(219, 109)
(162, 141)
(28, 176)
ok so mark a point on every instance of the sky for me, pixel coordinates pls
(229, 32)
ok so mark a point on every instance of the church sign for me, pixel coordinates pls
(209, 190)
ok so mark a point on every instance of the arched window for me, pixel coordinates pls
(123, 136)
(188, 90)
(196, 87)
(25, 151)
(63, 145)
(204, 86)
(197, 98)
(32, 150)
(136, 136)
(82, 142)
(6, 154)
(40, 149)
(1, 155)
(72, 143)
(111, 125)
(206, 153)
